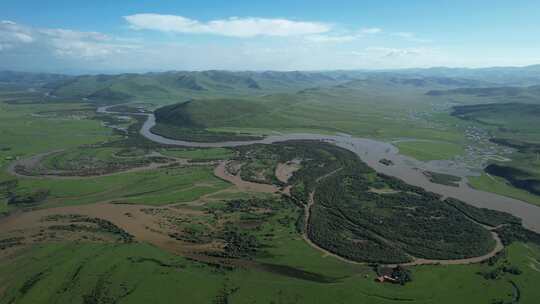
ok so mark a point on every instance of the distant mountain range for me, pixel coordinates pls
(174, 86)
(514, 76)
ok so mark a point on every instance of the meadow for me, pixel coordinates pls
(253, 244)
(130, 273)
(23, 133)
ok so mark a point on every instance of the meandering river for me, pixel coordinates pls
(371, 151)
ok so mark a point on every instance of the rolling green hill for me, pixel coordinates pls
(169, 87)
(176, 86)
(491, 94)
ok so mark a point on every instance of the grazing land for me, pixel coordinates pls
(428, 150)
(91, 211)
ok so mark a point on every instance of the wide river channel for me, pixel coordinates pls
(371, 151)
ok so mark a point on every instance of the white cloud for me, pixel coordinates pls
(59, 42)
(11, 33)
(410, 37)
(331, 38)
(371, 30)
(232, 27)
(395, 52)
(74, 35)
(24, 47)
(347, 36)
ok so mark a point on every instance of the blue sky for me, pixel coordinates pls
(129, 35)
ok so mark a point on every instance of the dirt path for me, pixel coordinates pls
(307, 215)
(498, 247)
(416, 261)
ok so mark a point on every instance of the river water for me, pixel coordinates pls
(371, 151)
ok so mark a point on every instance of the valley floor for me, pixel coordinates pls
(90, 214)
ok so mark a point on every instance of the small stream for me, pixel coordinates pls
(371, 151)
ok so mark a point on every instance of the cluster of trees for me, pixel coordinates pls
(386, 162)
(517, 177)
(11, 242)
(76, 224)
(239, 244)
(498, 272)
(242, 221)
(482, 215)
(516, 233)
(350, 219)
(411, 221)
(198, 134)
(318, 159)
(443, 179)
(354, 222)
(253, 204)
(26, 198)
(398, 274)
(330, 230)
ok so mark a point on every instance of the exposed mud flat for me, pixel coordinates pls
(135, 219)
(222, 172)
(284, 171)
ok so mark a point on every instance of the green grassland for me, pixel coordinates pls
(287, 269)
(198, 154)
(22, 134)
(132, 273)
(359, 111)
(429, 150)
(69, 126)
(498, 185)
(153, 187)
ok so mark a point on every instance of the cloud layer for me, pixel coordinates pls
(59, 42)
(295, 45)
(232, 27)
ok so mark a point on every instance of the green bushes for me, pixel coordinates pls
(348, 219)
(197, 134)
(25, 198)
(100, 226)
(517, 177)
(443, 179)
(11, 242)
(239, 244)
(408, 222)
(482, 215)
(516, 233)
